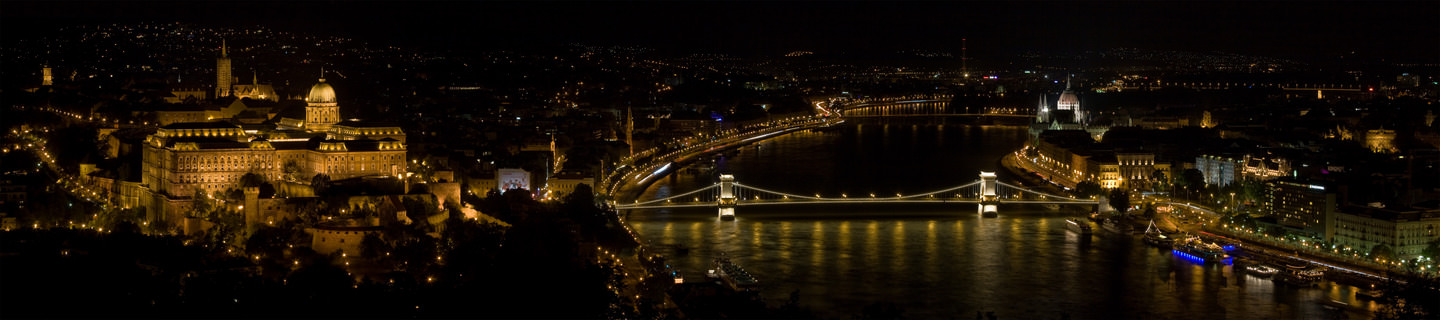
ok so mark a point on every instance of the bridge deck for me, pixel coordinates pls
(852, 201)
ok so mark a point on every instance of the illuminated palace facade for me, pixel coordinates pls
(183, 158)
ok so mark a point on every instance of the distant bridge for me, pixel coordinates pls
(923, 108)
(987, 193)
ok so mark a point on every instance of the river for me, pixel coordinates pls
(943, 260)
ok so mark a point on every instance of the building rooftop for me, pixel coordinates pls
(202, 125)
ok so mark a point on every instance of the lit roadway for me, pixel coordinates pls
(629, 174)
(1209, 220)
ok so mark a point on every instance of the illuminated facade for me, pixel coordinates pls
(355, 130)
(254, 90)
(212, 156)
(1407, 231)
(1136, 170)
(183, 158)
(1224, 170)
(1219, 170)
(1307, 207)
(1380, 140)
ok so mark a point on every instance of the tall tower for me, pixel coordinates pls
(630, 129)
(45, 78)
(321, 109)
(222, 73)
(965, 58)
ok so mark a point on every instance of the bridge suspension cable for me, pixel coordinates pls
(665, 199)
(799, 196)
(1040, 193)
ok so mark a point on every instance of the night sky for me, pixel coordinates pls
(1396, 31)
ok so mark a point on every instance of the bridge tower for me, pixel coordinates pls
(989, 201)
(726, 201)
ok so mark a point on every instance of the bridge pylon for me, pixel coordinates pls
(726, 201)
(989, 206)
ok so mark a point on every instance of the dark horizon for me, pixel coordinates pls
(1395, 31)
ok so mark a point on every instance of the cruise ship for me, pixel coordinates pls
(1300, 275)
(1078, 226)
(732, 275)
(1261, 270)
(1197, 250)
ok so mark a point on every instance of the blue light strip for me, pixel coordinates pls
(1199, 260)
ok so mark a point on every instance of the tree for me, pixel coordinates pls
(1383, 252)
(75, 144)
(372, 247)
(251, 180)
(1120, 200)
(200, 203)
(1431, 251)
(320, 182)
(1416, 298)
(1088, 188)
(1193, 179)
(580, 203)
(291, 169)
(1158, 179)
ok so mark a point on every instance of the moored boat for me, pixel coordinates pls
(1154, 236)
(732, 275)
(1081, 227)
(1301, 275)
(1197, 250)
(1261, 270)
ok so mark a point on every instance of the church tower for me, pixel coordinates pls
(321, 109)
(222, 73)
(45, 78)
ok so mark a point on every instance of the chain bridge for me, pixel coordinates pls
(986, 193)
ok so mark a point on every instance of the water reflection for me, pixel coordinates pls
(943, 261)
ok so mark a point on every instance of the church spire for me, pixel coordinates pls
(223, 52)
(1067, 80)
(322, 74)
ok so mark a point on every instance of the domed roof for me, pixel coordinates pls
(1068, 101)
(321, 93)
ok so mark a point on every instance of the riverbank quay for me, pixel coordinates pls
(649, 275)
(633, 175)
(1356, 270)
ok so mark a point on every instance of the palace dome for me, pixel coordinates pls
(321, 93)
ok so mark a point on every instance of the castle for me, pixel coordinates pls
(183, 160)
